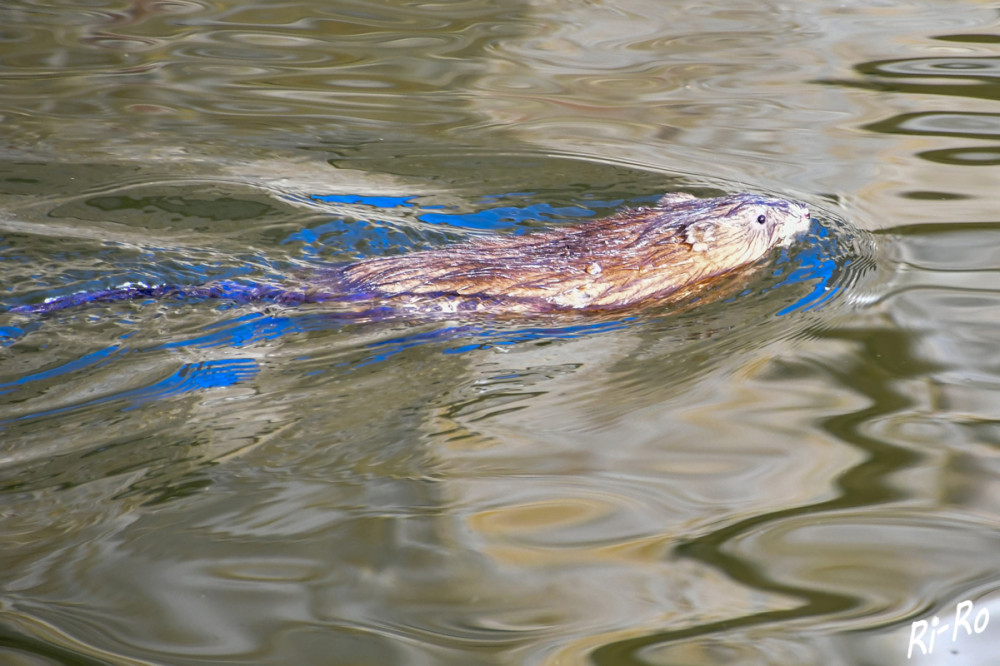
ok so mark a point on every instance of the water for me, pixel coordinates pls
(801, 471)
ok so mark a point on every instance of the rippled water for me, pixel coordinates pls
(801, 469)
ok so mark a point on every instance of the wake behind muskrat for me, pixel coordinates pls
(638, 256)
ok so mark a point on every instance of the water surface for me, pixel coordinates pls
(798, 472)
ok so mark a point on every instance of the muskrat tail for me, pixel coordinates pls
(235, 292)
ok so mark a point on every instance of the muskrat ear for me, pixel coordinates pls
(672, 198)
(700, 235)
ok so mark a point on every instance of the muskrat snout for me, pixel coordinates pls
(797, 222)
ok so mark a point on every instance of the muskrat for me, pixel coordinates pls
(637, 256)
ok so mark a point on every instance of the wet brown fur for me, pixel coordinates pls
(633, 257)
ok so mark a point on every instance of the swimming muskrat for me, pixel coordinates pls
(638, 256)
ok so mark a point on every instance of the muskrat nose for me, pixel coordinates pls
(798, 222)
(801, 210)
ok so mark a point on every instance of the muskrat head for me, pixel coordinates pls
(739, 228)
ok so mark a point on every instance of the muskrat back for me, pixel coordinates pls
(638, 255)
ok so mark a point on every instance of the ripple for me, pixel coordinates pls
(534, 527)
(930, 554)
(957, 124)
(834, 261)
(749, 43)
(962, 67)
(816, 576)
(970, 156)
(950, 248)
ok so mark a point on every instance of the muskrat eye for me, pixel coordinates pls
(761, 219)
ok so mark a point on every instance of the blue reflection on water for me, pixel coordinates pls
(814, 261)
(376, 201)
(243, 330)
(502, 217)
(493, 337)
(488, 218)
(92, 359)
(194, 376)
(189, 377)
(10, 334)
